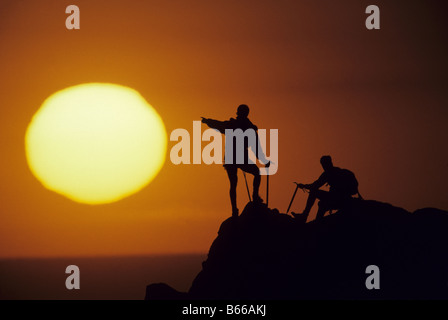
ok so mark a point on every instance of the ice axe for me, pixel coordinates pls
(293, 196)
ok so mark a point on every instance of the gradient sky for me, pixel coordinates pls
(377, 101)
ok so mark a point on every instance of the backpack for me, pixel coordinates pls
(347, 182)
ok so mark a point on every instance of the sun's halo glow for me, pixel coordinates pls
(96, 143)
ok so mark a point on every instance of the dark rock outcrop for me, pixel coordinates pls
(263, 254)
(162, 291)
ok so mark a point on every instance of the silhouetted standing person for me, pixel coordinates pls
(343, 185)
(231, 165)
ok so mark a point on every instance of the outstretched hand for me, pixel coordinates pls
(301, 185)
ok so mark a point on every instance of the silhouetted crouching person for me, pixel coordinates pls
(231, 165)
(343, 185)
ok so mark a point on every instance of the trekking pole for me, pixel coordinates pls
(247, 187)
(267, 184)
(267, 190)
(293, 196)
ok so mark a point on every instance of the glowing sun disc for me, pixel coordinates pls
(96, 143)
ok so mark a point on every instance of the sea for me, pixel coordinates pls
(100, 278)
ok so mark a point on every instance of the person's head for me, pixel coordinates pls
(326, 162)
(242, 111)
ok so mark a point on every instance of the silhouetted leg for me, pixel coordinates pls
(329, 201)
(310, 202)
(233, 178)
(255, 171)
(321, 211)
(314, 194)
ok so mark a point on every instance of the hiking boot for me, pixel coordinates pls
(257, 199)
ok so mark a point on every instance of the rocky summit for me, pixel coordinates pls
(264, 254)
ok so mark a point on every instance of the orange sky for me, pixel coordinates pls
(375, 100)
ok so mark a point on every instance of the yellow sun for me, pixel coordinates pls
(96, 143)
